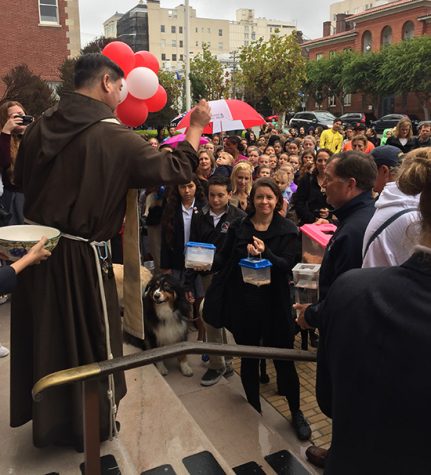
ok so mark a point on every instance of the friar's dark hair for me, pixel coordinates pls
(91, 67)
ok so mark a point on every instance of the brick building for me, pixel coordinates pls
(39, 33)
(370, 30)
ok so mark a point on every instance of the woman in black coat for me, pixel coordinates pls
(309, 201)
(403, 136)
(259, 314)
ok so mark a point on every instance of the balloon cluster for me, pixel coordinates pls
(141, 92)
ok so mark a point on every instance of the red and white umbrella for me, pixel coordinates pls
(227, 114)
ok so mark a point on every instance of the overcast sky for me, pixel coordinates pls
(307, 15)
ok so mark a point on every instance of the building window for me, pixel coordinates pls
(348, 100)
(220, 32)
(162, 28)
(367, 42)
(163, 57)
(408, 30)
(48, 11)
(246, 36)
(319, 56)
(220, 46)
(174, 57)
(181, 44)
(181, 57)
(163, 43)
(332, 54)
(253, 36)
(180, 29)
(174, 43)
(386, 36)
(196, 30)
(173, 29)
(331, 101)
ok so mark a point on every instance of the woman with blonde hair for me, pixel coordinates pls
(375, 351)
(242, 181)
(403, 136)
(12, 129)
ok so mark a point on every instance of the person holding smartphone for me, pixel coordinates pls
(13, 123)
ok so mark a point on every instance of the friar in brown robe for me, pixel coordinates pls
(75, 166)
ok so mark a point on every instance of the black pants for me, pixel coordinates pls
(287, 377)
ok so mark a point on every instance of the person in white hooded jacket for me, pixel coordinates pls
(394, 229)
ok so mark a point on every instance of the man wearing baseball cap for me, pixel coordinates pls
(391, 233)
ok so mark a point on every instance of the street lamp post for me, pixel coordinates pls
(187, 53)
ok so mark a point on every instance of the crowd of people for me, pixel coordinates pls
(247, 193)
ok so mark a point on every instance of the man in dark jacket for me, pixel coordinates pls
(349, 179)
(211, 226)
(424, 137)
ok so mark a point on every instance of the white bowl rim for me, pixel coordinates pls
(48, 231)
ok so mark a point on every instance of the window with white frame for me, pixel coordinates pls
(48, 11)
(348, 100)
(331, 101)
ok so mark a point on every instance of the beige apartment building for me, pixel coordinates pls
(166, 37)
(352, 7)
(110, 25)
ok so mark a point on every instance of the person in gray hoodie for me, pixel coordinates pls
(393, 230)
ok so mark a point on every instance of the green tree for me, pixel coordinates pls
(174, 89)
(406, 67)
(275, 70)
(207, 78)
(67, 67)
(31, 90)
(362, 74)
(315, 86)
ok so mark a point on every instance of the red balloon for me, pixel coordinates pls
(120, 54)
(158, 101)
(147, 60)
(132, 112)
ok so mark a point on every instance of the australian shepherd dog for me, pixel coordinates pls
(166, 311)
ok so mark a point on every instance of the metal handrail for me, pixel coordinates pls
(135, 360)
(89, 374)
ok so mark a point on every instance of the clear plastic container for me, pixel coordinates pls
(199, 255)
(315, 238)
(256, 271)
(306, 281)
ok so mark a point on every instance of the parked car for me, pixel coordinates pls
(272, 118)
(314, 119)
(389, 121)
(356, 118)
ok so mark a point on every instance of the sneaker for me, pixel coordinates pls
(3, 351)
(212, 376)
(300, 425)
(228, 372)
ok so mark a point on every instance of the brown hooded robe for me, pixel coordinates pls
(75, 172)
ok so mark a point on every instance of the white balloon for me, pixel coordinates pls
(124, 90)
(142, 83)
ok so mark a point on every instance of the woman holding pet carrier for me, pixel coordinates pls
(256, 314)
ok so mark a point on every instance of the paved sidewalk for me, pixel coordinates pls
(321, 426)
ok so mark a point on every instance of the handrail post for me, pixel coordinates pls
(91, 416)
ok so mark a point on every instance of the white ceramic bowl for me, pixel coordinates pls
(15, 241)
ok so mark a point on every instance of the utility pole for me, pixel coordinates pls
(187, 53)
(233, 59)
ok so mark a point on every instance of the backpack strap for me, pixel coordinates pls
(386, 224)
